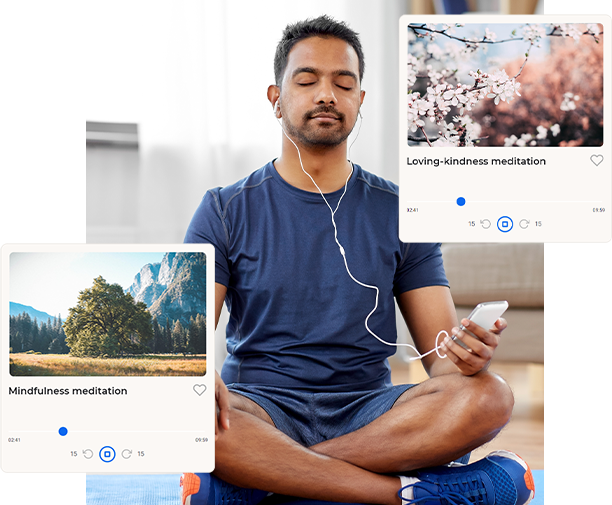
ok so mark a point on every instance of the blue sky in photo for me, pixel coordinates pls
(51, 282)
(501, 52)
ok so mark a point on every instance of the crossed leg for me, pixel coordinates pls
(432, 423)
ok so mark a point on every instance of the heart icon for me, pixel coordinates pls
(199, 389)
(597, 159)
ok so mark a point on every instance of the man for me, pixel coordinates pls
(306, 247)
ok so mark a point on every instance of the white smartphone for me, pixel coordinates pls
(485, 314)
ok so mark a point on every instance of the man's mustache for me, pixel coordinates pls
(324, 109)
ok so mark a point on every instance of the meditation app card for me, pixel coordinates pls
(504, 129)
(107, 358)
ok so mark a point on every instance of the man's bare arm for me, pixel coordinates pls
(221, 392)
(429, 310)
(220, 292)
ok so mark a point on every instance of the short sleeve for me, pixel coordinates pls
(208, 226)
(421, 266)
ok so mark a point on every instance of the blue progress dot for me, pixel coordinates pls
(63, 431)
(461, 201)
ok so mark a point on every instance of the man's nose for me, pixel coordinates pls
(325, 94)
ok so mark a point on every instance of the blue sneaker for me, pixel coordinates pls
(501, 478)
(206, 489)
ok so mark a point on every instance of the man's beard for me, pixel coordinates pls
(322, 135)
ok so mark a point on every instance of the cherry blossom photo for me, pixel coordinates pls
(506, 85)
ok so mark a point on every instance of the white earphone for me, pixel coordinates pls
(436, 349)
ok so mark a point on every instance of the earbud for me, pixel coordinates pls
(277, 107)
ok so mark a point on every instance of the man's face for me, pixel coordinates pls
(321, 94)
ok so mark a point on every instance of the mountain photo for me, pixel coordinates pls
(125, 313)
(174, 288)
(17, 308)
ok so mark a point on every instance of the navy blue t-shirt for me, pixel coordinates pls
(296, 317)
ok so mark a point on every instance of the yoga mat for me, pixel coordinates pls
(164, 490)
(133, 490)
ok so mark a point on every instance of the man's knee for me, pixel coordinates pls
(484, 399)
(489, 398)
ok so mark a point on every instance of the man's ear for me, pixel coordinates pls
(273, 98)
(361, 97)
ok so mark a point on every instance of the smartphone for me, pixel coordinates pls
(485, 314)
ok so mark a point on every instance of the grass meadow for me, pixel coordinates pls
(156, 365)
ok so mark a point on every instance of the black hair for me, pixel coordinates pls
(323, 26)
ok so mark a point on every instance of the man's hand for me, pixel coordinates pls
(222, 406)
(481, 343)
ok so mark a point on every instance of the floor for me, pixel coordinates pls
(524, 434)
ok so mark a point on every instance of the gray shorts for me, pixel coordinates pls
(310, 418)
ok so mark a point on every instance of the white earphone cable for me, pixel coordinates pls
(343, 253)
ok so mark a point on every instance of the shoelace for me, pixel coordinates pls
(449, 497)
(470, 486)
(456, 487)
